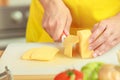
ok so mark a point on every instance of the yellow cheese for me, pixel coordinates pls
(69, 44)
(84, 44)
(42, 53)
(118, 56)
(28, 53)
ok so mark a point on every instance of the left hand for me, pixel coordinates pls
(105, 35)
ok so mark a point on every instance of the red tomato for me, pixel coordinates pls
(69, 75)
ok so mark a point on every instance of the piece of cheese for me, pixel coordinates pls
(84, 44)
(42, 53)
(28, 53)
(118, 56)
(69, 45)
(45, 53)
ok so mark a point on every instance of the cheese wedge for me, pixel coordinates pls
(28, 53)
(45, 53)
(84, 44)
(69, 44)
(42, 53)
(118, 56)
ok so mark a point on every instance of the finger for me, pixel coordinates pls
(95, 27)
(97, 32)
(52, 23)
(106, 46)
(66, 30)
(101, 50)
(110, 42)
(67, 26)
(49, 25)
(59, 29)
(100, 40)
(115, 42)
(97, 51)
(44, 20)
(45, 24)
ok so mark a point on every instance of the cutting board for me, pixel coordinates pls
(12, 58)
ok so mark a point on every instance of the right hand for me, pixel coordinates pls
(57, 18)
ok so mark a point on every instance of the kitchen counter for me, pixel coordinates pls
(5, 41)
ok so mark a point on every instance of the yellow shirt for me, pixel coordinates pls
(85, 13)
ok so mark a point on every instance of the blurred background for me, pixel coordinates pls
(13, 20)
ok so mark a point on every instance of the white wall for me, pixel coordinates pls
(18, 2)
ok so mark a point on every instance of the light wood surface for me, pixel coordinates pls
(36, 77)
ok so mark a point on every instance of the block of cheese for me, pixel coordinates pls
(42, 53)
(69, 45)
(118, 56)
(28, 53)
(84, 44)
(45, 53)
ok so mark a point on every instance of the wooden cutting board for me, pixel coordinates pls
(25, 69)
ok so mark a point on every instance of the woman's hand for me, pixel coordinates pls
(56, 19)
(105, 35)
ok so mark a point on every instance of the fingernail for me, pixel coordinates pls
(90, 40)
(100, 53)
(66, 32)
(95, 54)
(90, 48)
